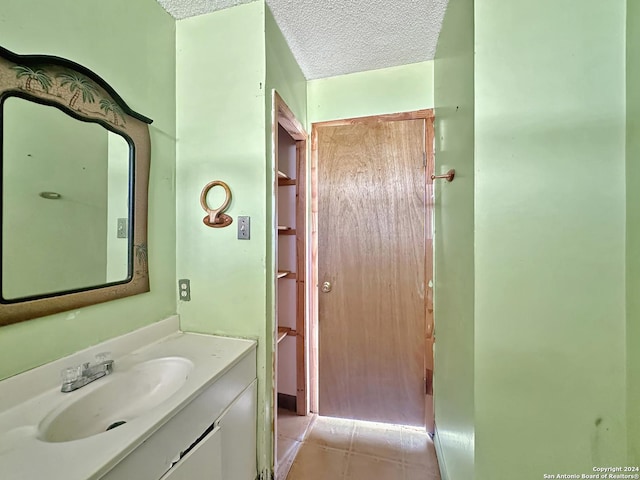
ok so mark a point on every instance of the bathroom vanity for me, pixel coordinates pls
(178, 406)
(162, 404)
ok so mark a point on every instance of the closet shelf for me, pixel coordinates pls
(283, 332)
(286, 332)
(283, 230)
(284, 179)
(286, 274)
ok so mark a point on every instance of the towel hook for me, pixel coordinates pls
(447, 176)
(216, 218)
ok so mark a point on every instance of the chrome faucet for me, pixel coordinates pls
(77, 377)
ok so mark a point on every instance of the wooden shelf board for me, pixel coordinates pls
(285, 274)
(282, 182)
(283, 332)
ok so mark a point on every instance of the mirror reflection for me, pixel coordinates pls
(65, 202)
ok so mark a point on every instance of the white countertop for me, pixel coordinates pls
(27, 399)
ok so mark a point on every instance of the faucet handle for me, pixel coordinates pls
(70, 374)
(103, 357)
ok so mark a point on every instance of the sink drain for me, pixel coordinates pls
(115, 424)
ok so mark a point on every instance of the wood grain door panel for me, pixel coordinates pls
(371, 248)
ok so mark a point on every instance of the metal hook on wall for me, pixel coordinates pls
(447, 176)
(216, 218)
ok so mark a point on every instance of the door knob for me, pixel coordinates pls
(326, 287)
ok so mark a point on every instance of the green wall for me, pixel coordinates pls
(139, 63)
(221, 136)
(224, 132)
(633, 230)
(375, 92)
(549, 237)
(530, 321)
(283, 75)
(454, 243)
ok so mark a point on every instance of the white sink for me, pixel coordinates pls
(158, 373)
(115, 400)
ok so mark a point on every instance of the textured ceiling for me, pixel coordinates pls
(335, 37)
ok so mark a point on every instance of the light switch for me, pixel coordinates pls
(122, 229)
(244, 227)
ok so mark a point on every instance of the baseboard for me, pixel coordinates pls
(288, 402)
(440, 455)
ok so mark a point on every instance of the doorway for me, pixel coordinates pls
(371, 331)
(290, 220)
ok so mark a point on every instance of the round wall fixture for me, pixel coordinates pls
(216, 218)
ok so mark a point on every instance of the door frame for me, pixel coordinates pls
(284, 117)
(281, 115)
(313, 291)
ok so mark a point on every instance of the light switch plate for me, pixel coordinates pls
(244, 227)
(122, 229)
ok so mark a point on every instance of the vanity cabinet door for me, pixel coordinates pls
(204, 462)
(238, 426)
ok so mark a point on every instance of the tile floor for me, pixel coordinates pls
(337, 449)
(292, 430)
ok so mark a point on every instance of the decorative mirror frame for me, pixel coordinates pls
(82, 94)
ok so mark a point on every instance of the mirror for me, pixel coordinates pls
(75, 166)
(64, 194)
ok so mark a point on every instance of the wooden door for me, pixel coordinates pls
(372, 278)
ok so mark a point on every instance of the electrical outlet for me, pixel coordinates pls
(122, 229)
(184, 290)
(244, 227)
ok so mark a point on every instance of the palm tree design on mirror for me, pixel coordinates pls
(84, 96)
(38, 75)
(141, 254)
(77, 84)
(108, 106)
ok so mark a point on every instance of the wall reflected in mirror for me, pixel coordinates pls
(77, 236)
